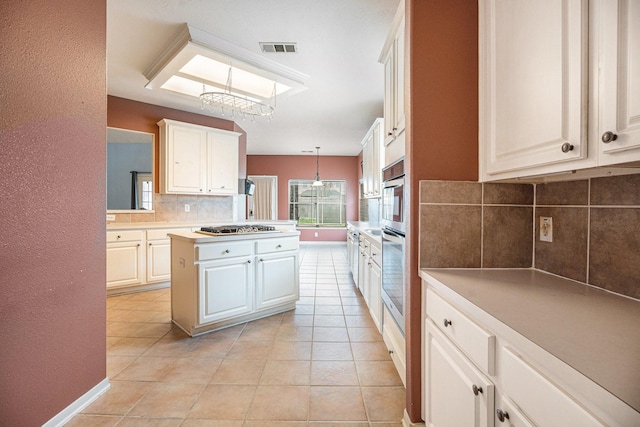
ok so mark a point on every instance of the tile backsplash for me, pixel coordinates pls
(170, 208)
(596, 228)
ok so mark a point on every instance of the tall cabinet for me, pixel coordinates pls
(373, 159)
(392, 57)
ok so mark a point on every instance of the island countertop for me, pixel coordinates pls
(594, 331)
(196, 237)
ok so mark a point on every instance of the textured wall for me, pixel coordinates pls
(52, 249)
(304, 167)
(441, 93)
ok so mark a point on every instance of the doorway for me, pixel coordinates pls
(263, 205)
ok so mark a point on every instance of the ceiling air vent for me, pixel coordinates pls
(278, 47)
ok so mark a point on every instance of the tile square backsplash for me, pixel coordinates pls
(596, 228)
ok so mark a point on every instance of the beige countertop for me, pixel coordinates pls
(594, 331)
(207, 238)
(186, 224)
(370, 229)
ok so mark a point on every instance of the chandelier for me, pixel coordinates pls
(243, 106)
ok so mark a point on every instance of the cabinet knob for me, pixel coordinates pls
(201, 190)
(138, 245)
(369, 264)
(502, 415)
(447, 322)
(149, 244)
(226, 251)
(390, 134)
(261, 260)
(118, 237)
(566, 147)
(248, 261)
(373, 254)
(609, 136)
(476, 390)
(278, 247)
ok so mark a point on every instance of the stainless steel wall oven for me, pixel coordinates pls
(393, 241)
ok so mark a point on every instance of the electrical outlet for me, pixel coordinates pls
(111, 217)
(315, 234)
(187, 208)
(546, 229)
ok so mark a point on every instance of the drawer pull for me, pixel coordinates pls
(502, 415)
(447, 322)
(476, 390)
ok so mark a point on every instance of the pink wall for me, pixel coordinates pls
(52, 251)
(304, 167)
(442, 133)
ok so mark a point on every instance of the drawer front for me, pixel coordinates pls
(163, 233)
(124, 236)
(223, 250)
(277, 245)
(475, 341)
(538, 397)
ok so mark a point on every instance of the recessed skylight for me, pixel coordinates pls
(196, 58)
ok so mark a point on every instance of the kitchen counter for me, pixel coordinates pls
(594, 331)
(288, 225)
(195, 237)
(370, 229)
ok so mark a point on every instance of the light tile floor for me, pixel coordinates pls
(322, 364)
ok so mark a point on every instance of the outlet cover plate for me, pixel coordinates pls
(546, 229)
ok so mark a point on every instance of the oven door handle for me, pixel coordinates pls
(392, 235)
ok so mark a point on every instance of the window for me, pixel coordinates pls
(324, 206)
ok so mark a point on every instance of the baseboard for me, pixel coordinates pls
(406, 421)
(76, 407)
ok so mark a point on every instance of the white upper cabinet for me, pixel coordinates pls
(533, 80)
(197, 159)
(392, 57)
(618, 40)
(223, 162)
(372, 160)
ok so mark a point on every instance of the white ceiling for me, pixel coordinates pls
(339, 42)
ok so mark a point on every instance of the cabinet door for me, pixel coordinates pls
(186, 150)
(124, 264)
(222, 166)
(533, 84)
(389, 88)
(450, 396)
(544, 402)
(508, 413)
(159, 260)
(375, 302)
(226, 289)
(362, 263)
(398, 50)
(619, 60)
(376, 169)
(277, 279)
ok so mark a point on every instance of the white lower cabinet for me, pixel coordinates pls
(225, 288)
(456, 392)
(475, 378)
(139, 259)
(124, 258)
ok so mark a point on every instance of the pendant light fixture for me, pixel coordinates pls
(317, 182)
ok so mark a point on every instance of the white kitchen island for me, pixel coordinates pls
(223, 280)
